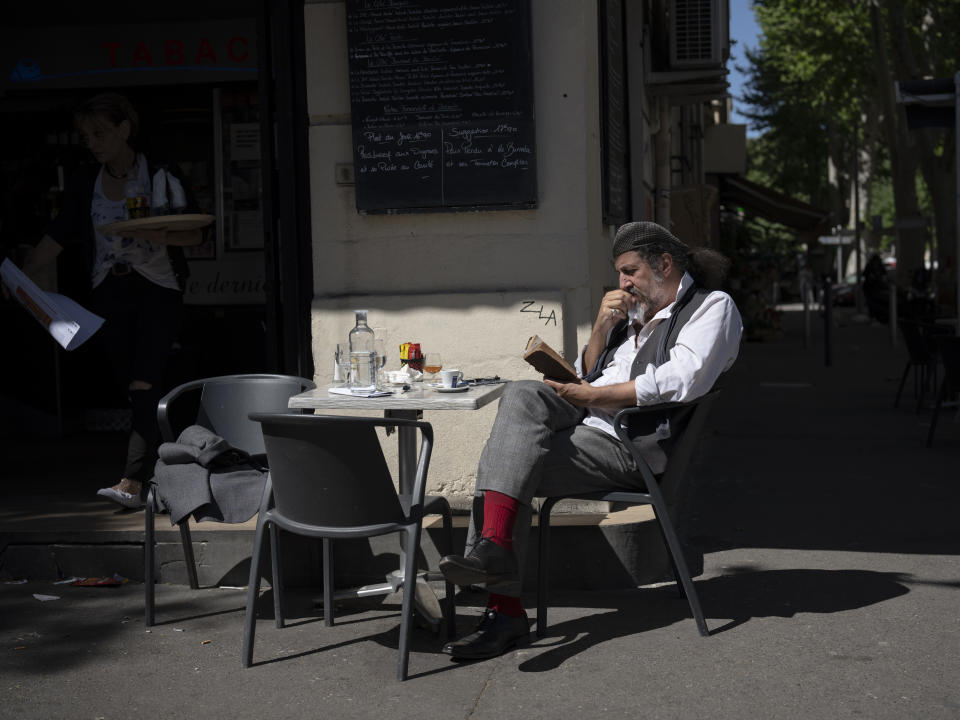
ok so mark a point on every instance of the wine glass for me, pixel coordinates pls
(432, 363)
(380, 348)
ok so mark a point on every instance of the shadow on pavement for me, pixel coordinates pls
(803, 456)
(741, 596)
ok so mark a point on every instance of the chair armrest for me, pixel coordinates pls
(163, 419)
(638, 410)
(622, 417)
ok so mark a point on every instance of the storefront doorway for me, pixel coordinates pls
(205, 83)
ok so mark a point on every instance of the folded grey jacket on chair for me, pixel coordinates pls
(202, 474)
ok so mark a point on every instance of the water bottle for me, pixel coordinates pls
(137, 195)
(363, 356)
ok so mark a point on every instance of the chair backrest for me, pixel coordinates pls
(227, 401)
(949, 347)
(329, 470)
(686, 424)
(684, 447)
(916, 339)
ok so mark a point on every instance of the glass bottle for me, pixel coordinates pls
(137, 194)
(363, 355)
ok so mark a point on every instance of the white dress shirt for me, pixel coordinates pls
(706, 346)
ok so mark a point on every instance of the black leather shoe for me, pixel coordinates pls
(487, 563)
(495, 634)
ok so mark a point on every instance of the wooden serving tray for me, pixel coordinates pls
(159, 222)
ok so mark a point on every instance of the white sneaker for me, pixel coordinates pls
(128, 500)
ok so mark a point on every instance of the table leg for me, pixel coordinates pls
(407, 445)
(425, 602)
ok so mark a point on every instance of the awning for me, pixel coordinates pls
(759, 200)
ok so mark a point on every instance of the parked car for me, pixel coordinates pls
(845, 293)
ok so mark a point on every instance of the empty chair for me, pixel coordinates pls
(687, 420)
(222, 405)
(922, 358)
(949, 348)
(329, 479)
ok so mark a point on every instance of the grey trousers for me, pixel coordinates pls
(539, 448)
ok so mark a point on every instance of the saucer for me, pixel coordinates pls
(440, 388)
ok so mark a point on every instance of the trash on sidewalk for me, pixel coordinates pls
(100, 581)
(45, 598)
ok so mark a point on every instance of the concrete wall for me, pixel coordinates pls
(462, 284)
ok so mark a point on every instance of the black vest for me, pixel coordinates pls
(655, 343)
(643, 430)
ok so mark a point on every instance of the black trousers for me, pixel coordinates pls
(142, 320)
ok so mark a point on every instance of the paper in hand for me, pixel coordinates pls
(67, 321)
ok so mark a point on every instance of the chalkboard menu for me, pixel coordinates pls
(616, 149)
(441, 98)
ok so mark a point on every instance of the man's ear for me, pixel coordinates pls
(666, 265)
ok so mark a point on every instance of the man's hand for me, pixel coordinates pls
(577, 393)
(613, 308)
(584, 394)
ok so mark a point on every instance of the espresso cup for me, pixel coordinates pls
(450, 378)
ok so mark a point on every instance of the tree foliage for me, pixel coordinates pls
(820, 91)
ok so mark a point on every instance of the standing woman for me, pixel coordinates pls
(137, 279)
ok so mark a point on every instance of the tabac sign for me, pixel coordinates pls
(117, 55)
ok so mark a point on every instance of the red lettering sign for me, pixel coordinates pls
(112, 47)
(233, 52)
(140, 54)
(205, 51)
(173, 52)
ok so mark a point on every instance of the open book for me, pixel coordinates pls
(548, 361)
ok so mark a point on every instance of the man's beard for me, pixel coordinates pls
(647, 305)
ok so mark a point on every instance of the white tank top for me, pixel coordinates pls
(146, 258)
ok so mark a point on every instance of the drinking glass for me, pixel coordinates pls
(380, 348)
(432, 364)
(137, 196)
(341, 360)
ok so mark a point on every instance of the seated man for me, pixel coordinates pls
(661, 337)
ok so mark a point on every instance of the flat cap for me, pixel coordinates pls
(633, 235)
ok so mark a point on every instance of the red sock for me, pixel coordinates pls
(499, 515)
(505, 605)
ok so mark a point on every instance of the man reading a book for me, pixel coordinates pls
(663, 336)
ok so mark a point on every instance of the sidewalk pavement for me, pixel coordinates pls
(830, 585)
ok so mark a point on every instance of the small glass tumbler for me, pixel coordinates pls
(432, 364)
(341, 364)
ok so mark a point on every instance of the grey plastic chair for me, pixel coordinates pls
(329, 479)
(222, 405)
(921, 343)
(949, 349)
(691, 416)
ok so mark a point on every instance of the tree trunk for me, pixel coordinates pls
(941, 178)
(939, 171)
(871, 144)
(838, 212)
(903, 162)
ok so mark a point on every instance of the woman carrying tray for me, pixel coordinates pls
(137, 278)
